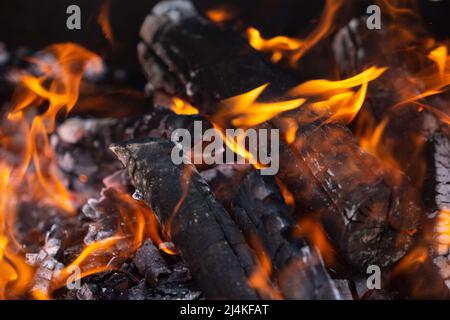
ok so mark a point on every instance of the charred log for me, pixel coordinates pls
(205, 235)
(259, 210)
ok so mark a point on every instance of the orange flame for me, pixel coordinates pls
(260, 278)
(442, 231)
(411, 261)
(220, 14)
(136, 222)
(336, 97)
(34, 174)
(427, 82)
(103, 21)
(180, 106)
(245, 111)
(313, 231)
(439, 56)
(294, 49)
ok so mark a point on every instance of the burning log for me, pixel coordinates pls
(201, 229)
(324, 168)
(259, 210)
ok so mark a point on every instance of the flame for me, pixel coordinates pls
(28, 166)
(278, 45)
(103, 21)
(313, 231)
(294, 49)
(180, 106)
(287, 195)
(439, 56)
(411, 261)
(427, 82)
(260, 277)
(137, 221)
(442, 231)
(245, 111)
(220, 14)
(336, 96)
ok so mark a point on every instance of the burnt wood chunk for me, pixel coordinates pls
(370, 218)
(150, 263)
(203, 232)
(259, 210)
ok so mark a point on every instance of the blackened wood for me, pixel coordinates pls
(225, 179)
(150, 263)
(259, 210)
(329, 175)
(208, 240)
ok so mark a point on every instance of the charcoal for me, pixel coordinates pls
(150, 263)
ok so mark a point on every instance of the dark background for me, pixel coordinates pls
(38, 23)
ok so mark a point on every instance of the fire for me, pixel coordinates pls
(337, 97)
(440, 57)
(427, 82)
(180, 106)
(220, 14)
(260, 278)
(411, 261)
(103, 21)
(28, 165)
(137, 221)
(294, 49)
(442, 230)
(244, 111)
(314, 232)
(287, 195)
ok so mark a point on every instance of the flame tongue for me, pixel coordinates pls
(33, 170)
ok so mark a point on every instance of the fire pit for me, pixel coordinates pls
(251, 159)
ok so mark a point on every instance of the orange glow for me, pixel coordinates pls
(371, 141)
(220, 14)
(313, 231)
(287, 195)
(411, 261)
(442, 232)
(137, 222)
(103, 21)
(260, 277)
(180, 106)
(427, 82)
(294, 49)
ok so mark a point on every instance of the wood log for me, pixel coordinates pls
(203, 232)
(364, 212)
(259, 210)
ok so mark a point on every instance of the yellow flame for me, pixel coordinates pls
(245, 111)
(180, 106)
(294, 49)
